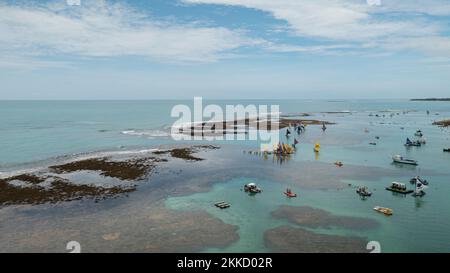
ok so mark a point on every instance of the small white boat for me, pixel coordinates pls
(252, 188)
(418, 133)
(400, 159)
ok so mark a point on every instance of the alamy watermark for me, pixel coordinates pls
(232, 122)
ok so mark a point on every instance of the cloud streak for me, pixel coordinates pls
(100, 29)
(357, 22)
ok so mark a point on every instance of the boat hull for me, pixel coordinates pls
(399, 191)
(406, 162)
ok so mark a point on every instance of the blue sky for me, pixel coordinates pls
(167, 49)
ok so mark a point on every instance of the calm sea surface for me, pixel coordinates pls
(33, 132)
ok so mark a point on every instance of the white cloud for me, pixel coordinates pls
(434, 46)
(358, 22)
(331, 19)
(98, 29)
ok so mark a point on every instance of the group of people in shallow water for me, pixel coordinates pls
(283, 148)
(299, 128)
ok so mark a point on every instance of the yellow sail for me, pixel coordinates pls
(317, 147)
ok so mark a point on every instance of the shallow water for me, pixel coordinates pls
(37, 133)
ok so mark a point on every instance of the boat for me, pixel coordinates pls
(422, 140)
(317, 148)
(289, 193)
(373, 143)
(446, 150)
(222, 205)
(385, 211)
(339, 163)
(410, 143)
(399, 188)
(252, 188)
(324, 127)
(283, 149)
(416, 179)
(363, 191)
(418, 133)
(419, 188)
(400, 159)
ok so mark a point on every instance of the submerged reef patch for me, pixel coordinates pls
(132, 169)
(318, 218)
(299, 240)
(57, 190)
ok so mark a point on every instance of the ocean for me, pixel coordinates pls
(41, 133)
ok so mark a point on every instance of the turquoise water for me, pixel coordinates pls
(32, 131)
(37, 130)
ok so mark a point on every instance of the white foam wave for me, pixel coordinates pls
(147, 133)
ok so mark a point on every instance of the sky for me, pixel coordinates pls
(224, 49)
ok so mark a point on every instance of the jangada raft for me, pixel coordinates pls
(399, 187)
(386, 211)
(400, 159)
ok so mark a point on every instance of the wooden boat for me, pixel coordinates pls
(363, 191)
(339, 163)
(400, 159)
(385, 211)
(446, 150)
(289, 193)
(222, 205)
(399, 187)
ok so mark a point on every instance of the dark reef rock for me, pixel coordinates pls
(132, 169)
(58, 190)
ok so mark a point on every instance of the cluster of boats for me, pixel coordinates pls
(417, 142)
(419, 183)
(252, 189)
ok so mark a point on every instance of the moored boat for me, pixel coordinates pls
(363, 191)
(416, 179)
(339, 163)
(399, 188)
(252, 188)
(222, 205)
(289, 193)
(386, 211)
(400, 159)
(446, 150)
(418, 133)
(410, 143)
